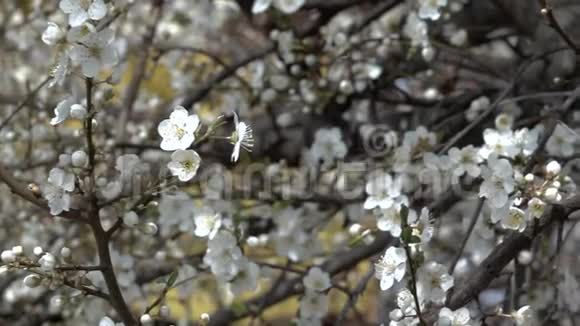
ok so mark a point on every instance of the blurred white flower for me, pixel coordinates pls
(53, 34)
(95, 52)
(207, 224)
(459, 317)
(313, 305)
(433, 282)
(430, 9)
(285, 6)
(317, 280)
(80, 11)
(383, 191)
(328, 146)
(246, 279)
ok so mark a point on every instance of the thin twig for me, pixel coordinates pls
(548, 14)
(472, 223)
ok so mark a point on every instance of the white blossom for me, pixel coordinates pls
(207, 224)
(498, 181)
(328, 146)
(242, 137)
(95, 52)
(459, 317)
(178, 131)
(562, 141)
(285, 6)
(431, 9)
(106, 321)
(498, 143)
(184, 164)
(62, 111)
(80, 11)
(317, 280)
(523, 316)
(246, 279)
(535, 209)
(53, 34)
(391, 267)
(433, 282)
(515, 219)
(465, 160)
(383, 191)
(313, 304)
(47, 262)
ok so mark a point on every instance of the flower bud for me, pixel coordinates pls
(8, 256)
(79, 159)
(78, 111)
(149, 228)
(32, 281)
(146, 319)
(17, 250)
(130, 219)
(525, 257)
(553, 168)
(65, 252)
(396, 315)
(37, 251)
(47, 262)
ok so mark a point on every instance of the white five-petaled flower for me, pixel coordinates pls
(433, 282)
(498, 143)
(430, 9)
(465, 160)
(536, 208)
(184, 164)
(391, 267)
(317, 280)
(80, 11)
(207, 224)
(523, 316)
(515, 219)
(498, 181)
(242, 137)
(178, 132)
(459, 317)
(285, 6)
(383, 191)
(56, 191)
(94, 51)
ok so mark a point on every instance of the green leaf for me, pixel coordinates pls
(404, 213)
(172, 278)
(239, 308)
(407, 234)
